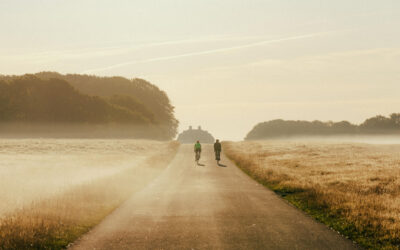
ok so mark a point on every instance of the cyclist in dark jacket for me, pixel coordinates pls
(217, 150)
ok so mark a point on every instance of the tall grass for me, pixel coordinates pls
(55, 222)
(354, 188)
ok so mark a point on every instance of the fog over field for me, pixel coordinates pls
(34, 169)
(368, 139)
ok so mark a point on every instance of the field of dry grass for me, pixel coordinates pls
(354, 188)
(62, 201)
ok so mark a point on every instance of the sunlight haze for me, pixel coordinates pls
(225, 65)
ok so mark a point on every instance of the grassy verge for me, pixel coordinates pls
(356, 215)
(56, 222)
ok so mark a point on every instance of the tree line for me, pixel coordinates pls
(283, 128)
(50, 97)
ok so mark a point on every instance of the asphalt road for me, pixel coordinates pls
(208, 207)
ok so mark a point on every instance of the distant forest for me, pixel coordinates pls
(283, 128)
(53, 98)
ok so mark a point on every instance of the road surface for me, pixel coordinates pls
(208, 207)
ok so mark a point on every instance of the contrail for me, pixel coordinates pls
(206, 52)
(56, 55)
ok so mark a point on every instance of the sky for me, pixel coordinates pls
(225, 64)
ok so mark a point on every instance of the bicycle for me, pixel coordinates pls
(218, 156)
(197, 157)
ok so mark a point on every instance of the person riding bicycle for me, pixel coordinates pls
(217, 150)
(197, 150)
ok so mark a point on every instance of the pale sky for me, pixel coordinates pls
(225, 64)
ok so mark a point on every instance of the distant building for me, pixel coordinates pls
(192, 135)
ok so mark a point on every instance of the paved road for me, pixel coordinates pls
(208, 207)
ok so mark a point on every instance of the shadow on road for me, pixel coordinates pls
(222, 165)
(199, 164)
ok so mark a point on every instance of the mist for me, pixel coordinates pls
(77, 130)
(35, 169)
(388, 139)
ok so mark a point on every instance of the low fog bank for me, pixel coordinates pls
(35, 169)
(375, 126)
(74, 130)
(369, 139)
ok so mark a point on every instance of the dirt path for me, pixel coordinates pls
(208, 207)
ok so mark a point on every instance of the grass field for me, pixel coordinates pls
(353, 188)
(53, 191)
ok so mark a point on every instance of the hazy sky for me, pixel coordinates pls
(226, 64)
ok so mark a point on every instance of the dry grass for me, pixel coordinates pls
(56, 221)
(354, 188)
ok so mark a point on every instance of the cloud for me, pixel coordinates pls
(262, 105)
(206, 52)
(353, 68)
(118, 48)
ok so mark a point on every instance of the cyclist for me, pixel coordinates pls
(217, 150)
(197, 150)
